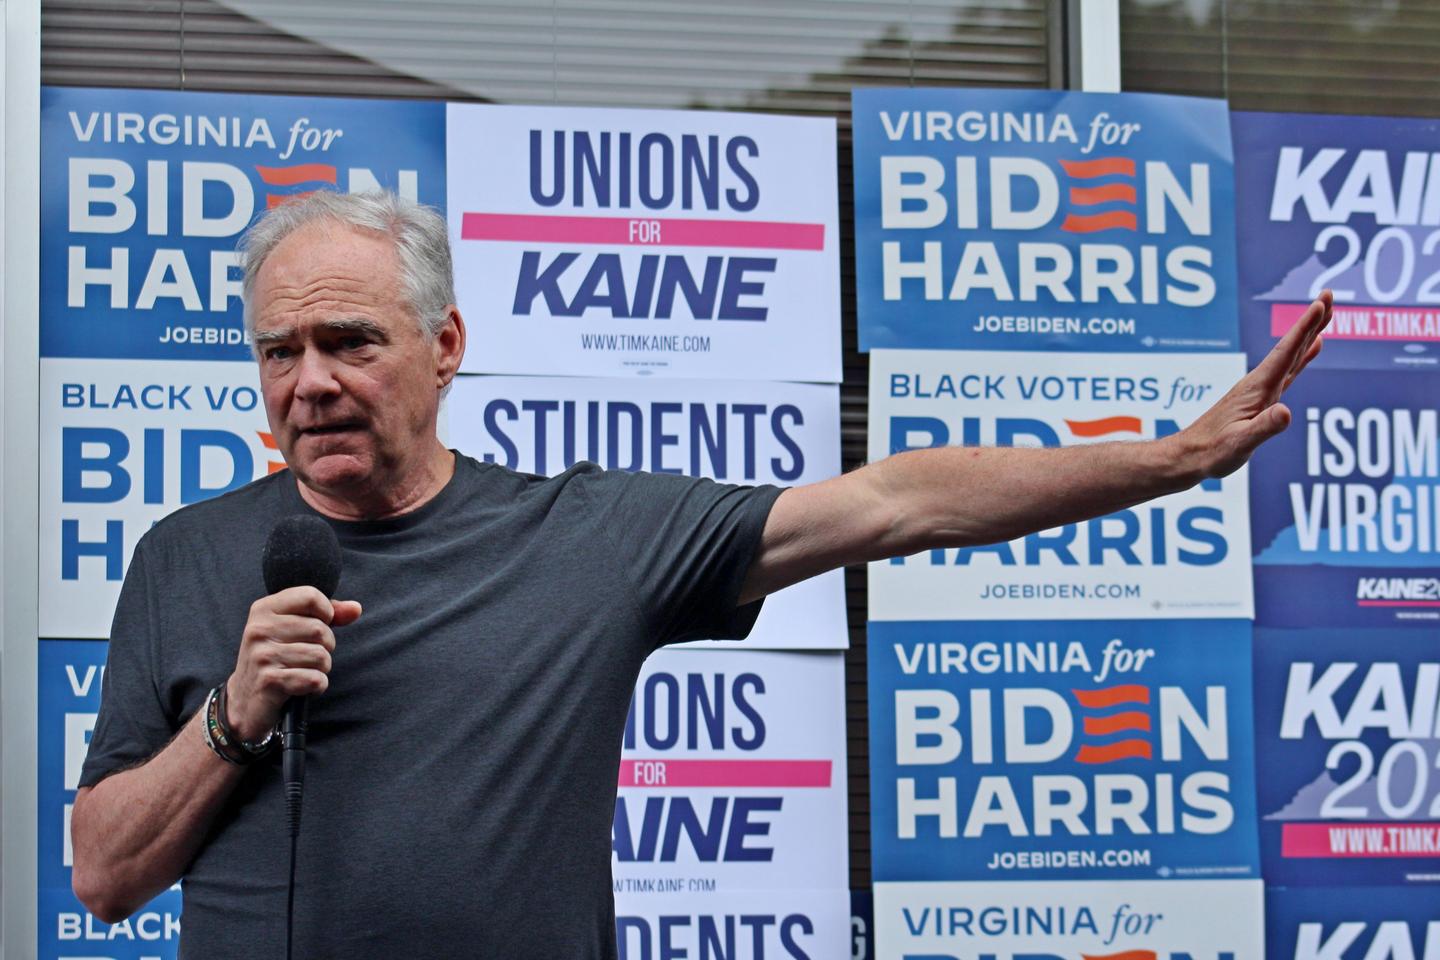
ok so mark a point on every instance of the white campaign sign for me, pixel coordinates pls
(1157, 919)
(619, 242)
(753, 925)
(737, 432)
(733, 775)
(123, 443)
(1185, 555)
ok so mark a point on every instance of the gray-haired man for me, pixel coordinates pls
(464, 755)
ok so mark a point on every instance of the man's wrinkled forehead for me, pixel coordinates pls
(325, 265)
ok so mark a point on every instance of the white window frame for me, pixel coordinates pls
(19, 467)
(1093, 42)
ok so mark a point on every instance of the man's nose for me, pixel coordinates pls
(315, 378)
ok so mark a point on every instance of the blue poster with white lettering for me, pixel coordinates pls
(1390, 923)
(1348, 203)
(1186, 555)
(69, 698)
(1043, 220)
(144, 193)
(1074, 750)
(1345, 504)
(1348, 756)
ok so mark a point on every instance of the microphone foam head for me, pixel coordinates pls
(302, 551)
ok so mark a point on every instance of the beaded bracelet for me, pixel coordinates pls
(226, 744)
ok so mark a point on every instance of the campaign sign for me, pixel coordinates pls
(751, 925)
(621, 242)
(1121, 920)
(1061, 750)
(1390, 923)
(69, 698)
(734, 431)
(1042, 220)
(143, 194)
(1345, 505)
(123, 443)
(1348, 755)
(1185, 555)
(1346, 203)
(732, 775)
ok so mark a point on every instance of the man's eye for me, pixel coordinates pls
(278, 353)
(353, 342)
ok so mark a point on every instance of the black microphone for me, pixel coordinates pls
(302, 551)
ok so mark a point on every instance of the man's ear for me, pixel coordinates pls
(449, 346)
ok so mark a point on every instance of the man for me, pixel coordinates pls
(464, 754)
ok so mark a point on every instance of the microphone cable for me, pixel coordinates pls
(292, 741)
(302, 551)
(290, 899)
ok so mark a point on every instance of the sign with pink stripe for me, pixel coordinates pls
(732, 774)
(725, 773)
(625, 231)
(1345, 203)
(1363, 322)
(1360, 840)
(601, 242)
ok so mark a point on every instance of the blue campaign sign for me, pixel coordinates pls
(1348, 753)
(1061, 750)
(69, 697)
(1345, 505)
(1348, 203)
(1391, 923)
(1042, 220)
(143, 194)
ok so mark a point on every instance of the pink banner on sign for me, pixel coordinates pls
(1363, 322)
(725, 773)
(1341, 839)
(643, 231)
(1397, 603)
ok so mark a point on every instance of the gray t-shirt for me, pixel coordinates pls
(461, 772)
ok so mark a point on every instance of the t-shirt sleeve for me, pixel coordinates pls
(686, 545)
(133, 724)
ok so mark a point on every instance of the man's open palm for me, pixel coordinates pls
(1251, 413)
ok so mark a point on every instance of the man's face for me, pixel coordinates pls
(351, 384)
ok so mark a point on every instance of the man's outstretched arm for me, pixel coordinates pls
(966, 496)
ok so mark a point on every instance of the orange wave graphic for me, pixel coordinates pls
(1103, 426)
(267, 440)
(1129, 720)
(1104, 167)
(1095, 222)
(273, 200)
(1111, 752)
(1110, 696)
(300, 173)
(1105, 194)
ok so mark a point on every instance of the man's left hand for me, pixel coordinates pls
(1224, 437)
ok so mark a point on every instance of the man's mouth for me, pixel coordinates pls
(321, 430)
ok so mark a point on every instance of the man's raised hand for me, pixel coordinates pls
(1225, 436)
